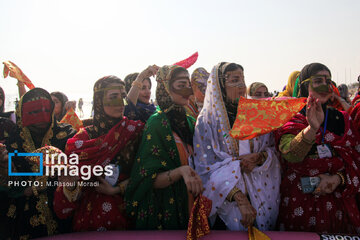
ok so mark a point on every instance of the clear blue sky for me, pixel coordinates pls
(67, 45)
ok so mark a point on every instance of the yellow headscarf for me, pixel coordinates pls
(288, 92)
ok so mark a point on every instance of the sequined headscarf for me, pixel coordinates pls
(200, 77)
(175, 113)
(102, 123)
(222, 69)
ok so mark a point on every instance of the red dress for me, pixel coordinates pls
(332, 213)
(93, 210)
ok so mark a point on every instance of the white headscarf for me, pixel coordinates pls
(216, 156)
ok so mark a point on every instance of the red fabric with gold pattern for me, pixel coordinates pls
(101, 150)
(198, 222)
(72, 118)
(258, 117)
(37, 111)
(15, 72)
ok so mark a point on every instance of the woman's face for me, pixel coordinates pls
(1, 102)
(261, 92)
(321, 78)
(145, 92)
(58, 106)
(114, 96)
(233, 85)
(182, 82)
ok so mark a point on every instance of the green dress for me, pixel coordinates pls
(151, 208)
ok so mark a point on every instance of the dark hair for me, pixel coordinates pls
(130, 78)
(308, 71)
(232, 67)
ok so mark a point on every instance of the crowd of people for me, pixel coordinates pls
(170, 152)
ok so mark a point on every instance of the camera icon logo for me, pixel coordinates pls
(16, 153)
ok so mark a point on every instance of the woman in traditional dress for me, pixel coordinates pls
(289, 89)
(30, 210)
(319, 142)
(138, 88)
(258, 90)
(111, 140)
(59, 100)
(199, 79)
(162, 186)
(241, 178)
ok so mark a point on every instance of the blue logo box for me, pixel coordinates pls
(15, 153)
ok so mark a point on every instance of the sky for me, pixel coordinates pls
(67, 45)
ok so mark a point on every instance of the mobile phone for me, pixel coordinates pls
(308, 184)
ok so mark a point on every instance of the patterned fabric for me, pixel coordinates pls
(216, 161)
(192, 109)
(140, 112)
(175, 113)
(97, 211)
(198, 222)
(129, 79)
(355, 113)
(72, 119)
(258, 117)
(151, 208)
(331, 213)
(200, 77)
(102, 123)
(15, 72)
(6, 128)
(288, 92)
(188, 62)
(33, 216)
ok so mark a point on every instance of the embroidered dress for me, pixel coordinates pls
(108, 141)
(31, 217)
(161, 150)
(215, 160)
(332, 213)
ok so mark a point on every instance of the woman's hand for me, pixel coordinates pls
(247, 211)
(105, 187)
(314, 113)
(69, 182)
(328, 183)
(249, 161)
(147, 73)
(192, 180)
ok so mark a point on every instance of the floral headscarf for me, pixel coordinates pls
(175, 113)
(102, 123)
(199, 77)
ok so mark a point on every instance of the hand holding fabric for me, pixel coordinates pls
(249, 161)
